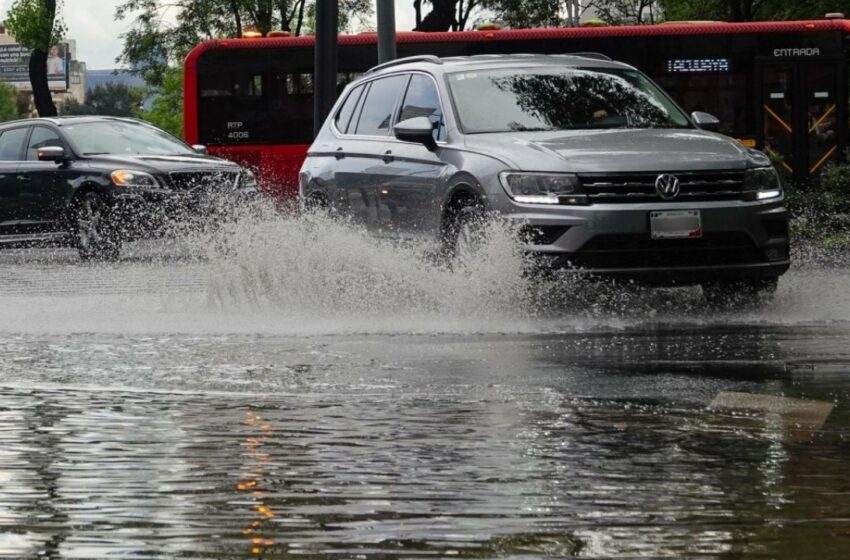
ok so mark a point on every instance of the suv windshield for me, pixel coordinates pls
(123, 138)
(548, 98)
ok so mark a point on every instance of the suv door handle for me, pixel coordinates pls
(24, 178)
(388, 156)
(339, 153)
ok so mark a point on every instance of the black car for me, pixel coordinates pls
(97, 181)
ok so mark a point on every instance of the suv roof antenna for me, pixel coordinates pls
(419, 58)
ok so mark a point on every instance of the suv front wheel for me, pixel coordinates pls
(95, 235)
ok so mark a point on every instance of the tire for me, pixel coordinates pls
(739, 293)
(463, 230)
(95, 234)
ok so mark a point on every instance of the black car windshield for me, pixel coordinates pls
(123, 138)
(557, 98)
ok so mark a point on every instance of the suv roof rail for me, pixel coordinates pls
(418, 58)
(593, 55)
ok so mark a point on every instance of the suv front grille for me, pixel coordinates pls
(203, 180)
(640, 187)
(640, 251)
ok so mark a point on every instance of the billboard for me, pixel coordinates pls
(15, 60)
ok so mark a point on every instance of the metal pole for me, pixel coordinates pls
(386, 31)
(325, 67)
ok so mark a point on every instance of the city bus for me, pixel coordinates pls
(777, 86)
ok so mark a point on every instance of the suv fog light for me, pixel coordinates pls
(775, 254)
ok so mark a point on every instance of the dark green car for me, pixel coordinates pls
(95, 182)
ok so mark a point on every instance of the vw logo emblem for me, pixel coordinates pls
(667, 186)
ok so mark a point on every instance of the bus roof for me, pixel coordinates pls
(666, 29)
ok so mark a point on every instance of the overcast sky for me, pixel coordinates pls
(92, 24)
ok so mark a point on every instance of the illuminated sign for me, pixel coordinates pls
(698, 65)
(796, 52)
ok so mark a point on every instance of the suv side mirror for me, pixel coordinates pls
(417, 129)
(200, 148)
(706, 121)
(51, 153)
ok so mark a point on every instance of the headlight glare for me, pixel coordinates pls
(137, 179)
(542, 188)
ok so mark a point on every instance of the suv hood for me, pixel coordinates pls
(165, 163)
(613, 151)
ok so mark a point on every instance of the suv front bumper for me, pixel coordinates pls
(739, 240)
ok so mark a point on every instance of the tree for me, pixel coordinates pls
(8, 102)
(153, 45)
(628, 12)
(35, 25)
(166, 111)
(113, 99)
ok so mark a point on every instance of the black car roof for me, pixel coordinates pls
(59, 121)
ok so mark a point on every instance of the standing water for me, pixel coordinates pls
(297, 387)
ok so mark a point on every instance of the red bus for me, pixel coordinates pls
(777, 86)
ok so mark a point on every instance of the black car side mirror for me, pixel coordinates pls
(706, 121)
(51, 153)
(417, 129)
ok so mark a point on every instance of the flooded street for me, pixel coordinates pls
(264, 406)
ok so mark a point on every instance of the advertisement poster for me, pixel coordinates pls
(14, 66)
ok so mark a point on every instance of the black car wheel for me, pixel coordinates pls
(94, 232)
(737, 293)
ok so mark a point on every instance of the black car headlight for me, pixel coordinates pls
(542, 188)
(248, 180)
(134, 179)
(762, 183)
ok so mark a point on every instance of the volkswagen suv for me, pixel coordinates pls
(605, 173)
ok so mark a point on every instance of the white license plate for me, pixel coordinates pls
(675, 224)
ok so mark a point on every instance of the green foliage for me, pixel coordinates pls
(154, 43)
(747, 10)
(116, 100)
(166, 111)
(8, 102)
(33, 24)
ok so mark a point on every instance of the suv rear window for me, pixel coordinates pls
(376, 116)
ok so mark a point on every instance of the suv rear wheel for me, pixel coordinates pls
(94, 232)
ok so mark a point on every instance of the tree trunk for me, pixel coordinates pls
(40, 89)
(234, 8)
(300, 17)
(441, 18)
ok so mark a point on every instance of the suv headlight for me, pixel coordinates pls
(542, 188)
(762, 183)
(134, 179)
(248, 180)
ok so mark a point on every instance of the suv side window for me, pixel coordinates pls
(343, 117)
(377, 113)
(12, 143)
(41, 136)
(422, 100)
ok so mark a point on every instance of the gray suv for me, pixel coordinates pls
(606, 174)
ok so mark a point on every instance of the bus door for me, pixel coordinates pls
(800, 114)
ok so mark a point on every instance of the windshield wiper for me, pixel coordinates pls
(95, 153)
(518, 127)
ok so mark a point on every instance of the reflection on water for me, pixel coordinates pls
(486, 446)
(354, 400)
